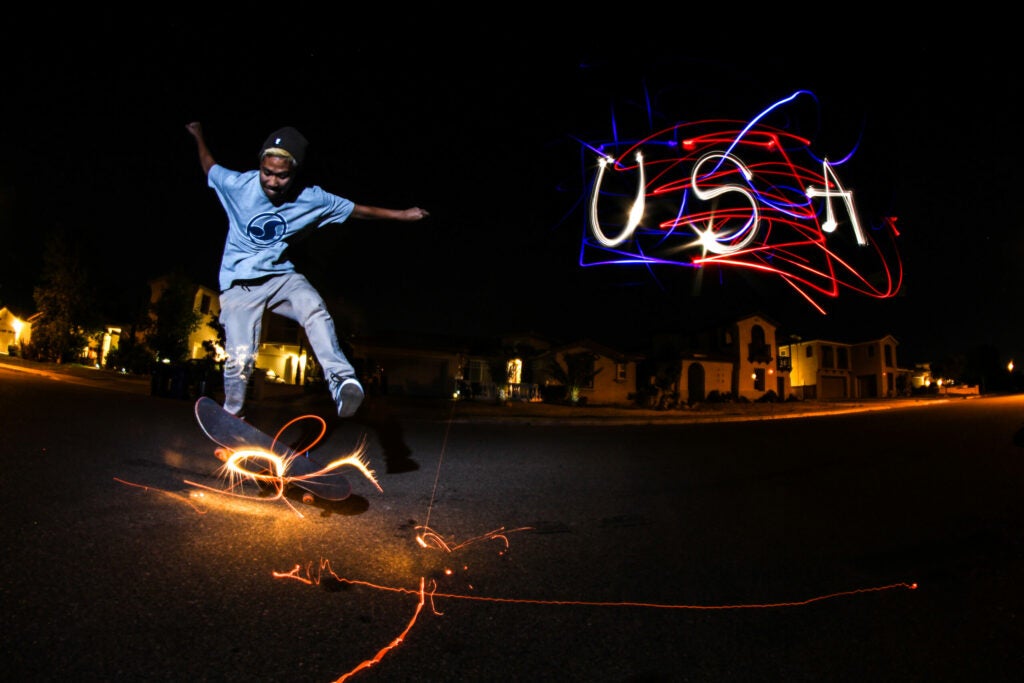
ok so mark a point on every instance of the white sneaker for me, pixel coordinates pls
(349, 396)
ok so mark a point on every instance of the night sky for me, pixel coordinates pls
(486, 124)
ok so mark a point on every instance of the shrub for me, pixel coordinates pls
(554, 393)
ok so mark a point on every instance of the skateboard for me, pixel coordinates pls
(234, 434)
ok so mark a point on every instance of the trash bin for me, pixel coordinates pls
(169, 380)
(160, 380)
(179, 380)
(257, 383)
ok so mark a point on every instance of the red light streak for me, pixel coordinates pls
(314, 573)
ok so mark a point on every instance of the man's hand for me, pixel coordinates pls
(414, 214)
(206, 159)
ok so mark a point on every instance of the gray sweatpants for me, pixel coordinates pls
(241, 314)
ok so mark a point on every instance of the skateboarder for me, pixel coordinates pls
(265, 209)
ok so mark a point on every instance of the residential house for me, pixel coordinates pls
(495, 369)
(513, 367)
(735, 360)
(206, 303)
(922, 379)
(609, 378)
(824, 369)
(14, 331)
(409, 365)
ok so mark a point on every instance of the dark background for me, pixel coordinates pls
(484, 122)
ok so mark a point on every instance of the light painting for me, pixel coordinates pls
(738, 195)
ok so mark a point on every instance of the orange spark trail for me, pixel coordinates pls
(325, 566)
(394, 643)
(429, 534)
(170, 494)
(655, 605)
(314, 577)
(274, 470)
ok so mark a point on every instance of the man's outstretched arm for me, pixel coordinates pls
(205, 158)
(376, 213)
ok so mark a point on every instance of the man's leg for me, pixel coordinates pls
(298, 299)
(241, 314)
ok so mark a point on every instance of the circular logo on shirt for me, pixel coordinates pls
(266, 228)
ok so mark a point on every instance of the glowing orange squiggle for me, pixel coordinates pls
(366, 664)
(325, 566)
(312, 577)
(274, 470)
(430, 537)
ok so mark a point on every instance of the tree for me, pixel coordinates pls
(66, 303)
(175, 319)
(132, 353)
(579, 371)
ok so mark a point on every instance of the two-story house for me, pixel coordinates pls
(824, 369)
(734, 360)
(206, 302)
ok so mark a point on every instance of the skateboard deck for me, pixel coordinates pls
(235, 434)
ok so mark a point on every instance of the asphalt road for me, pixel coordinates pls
(881, 546)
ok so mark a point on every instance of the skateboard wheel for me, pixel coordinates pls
(307, 498)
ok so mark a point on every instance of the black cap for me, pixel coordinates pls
(288, 139)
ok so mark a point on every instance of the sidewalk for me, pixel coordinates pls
(478, 411)
(79, 374)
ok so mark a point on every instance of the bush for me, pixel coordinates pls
(554, 393)
(716, 396)
(136, 359)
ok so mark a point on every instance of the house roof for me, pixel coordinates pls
(596, 347)
(4, 310)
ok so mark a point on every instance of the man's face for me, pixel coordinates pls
(276, 175)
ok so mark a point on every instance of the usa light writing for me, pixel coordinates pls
(735, 195)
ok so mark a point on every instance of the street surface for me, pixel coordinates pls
(867, 546)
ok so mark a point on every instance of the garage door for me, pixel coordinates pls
(833, 387)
